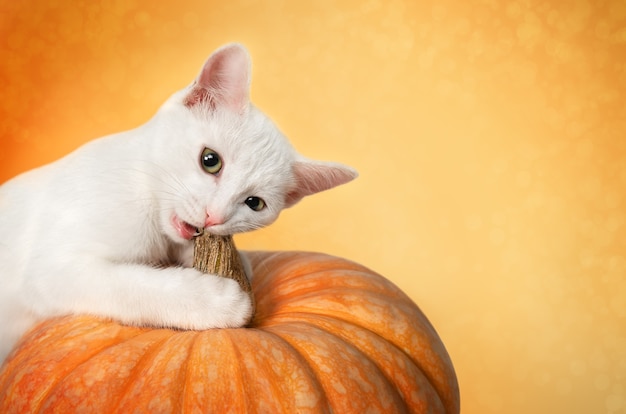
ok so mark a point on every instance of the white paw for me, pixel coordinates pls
(208, 301)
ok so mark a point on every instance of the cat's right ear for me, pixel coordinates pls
(224, 81)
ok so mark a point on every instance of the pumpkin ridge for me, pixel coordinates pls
(307, 367)
(42, 332)
(288, 264)
(308, 318)
(316, 366)
(346, 340)
(246, 375)
(300, 303)
(87, 354)
(349, 279)
(88, 360)
(185, 372)
(241, 371)
(45, 331)
(203, 373)
(432, 372)
(295, 270)
(304, 294)
(148, 355)
(308, 285)
(325, 404)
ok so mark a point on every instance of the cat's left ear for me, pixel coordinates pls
(314, 176)
(224, 80)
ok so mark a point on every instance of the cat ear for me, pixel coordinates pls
(224, 80)
(314, 176)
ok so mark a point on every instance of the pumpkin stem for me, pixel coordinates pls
(218, 255)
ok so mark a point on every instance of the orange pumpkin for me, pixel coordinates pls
(329, 336)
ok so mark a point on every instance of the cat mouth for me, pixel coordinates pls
(185, 230)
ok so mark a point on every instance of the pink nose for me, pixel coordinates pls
(212, 221)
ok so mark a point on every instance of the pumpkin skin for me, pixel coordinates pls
(328, 336)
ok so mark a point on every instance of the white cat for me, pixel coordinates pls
(107, 230)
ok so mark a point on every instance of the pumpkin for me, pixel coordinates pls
(328, 335)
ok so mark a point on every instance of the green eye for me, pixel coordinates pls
(210, 161)
(255, 203)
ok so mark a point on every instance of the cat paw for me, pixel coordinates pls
(216, 302)
(235, 308)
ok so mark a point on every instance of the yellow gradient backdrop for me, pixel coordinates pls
(490, 137)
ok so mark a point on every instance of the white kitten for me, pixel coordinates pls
(107, 229)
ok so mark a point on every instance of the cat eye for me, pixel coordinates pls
(210, 161)
(255, 203)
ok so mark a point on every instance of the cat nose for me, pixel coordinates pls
(213, 221)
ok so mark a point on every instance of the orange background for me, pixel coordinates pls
(490, 138)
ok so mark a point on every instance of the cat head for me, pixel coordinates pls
(231, 168)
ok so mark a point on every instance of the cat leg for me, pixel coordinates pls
(135, 294)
